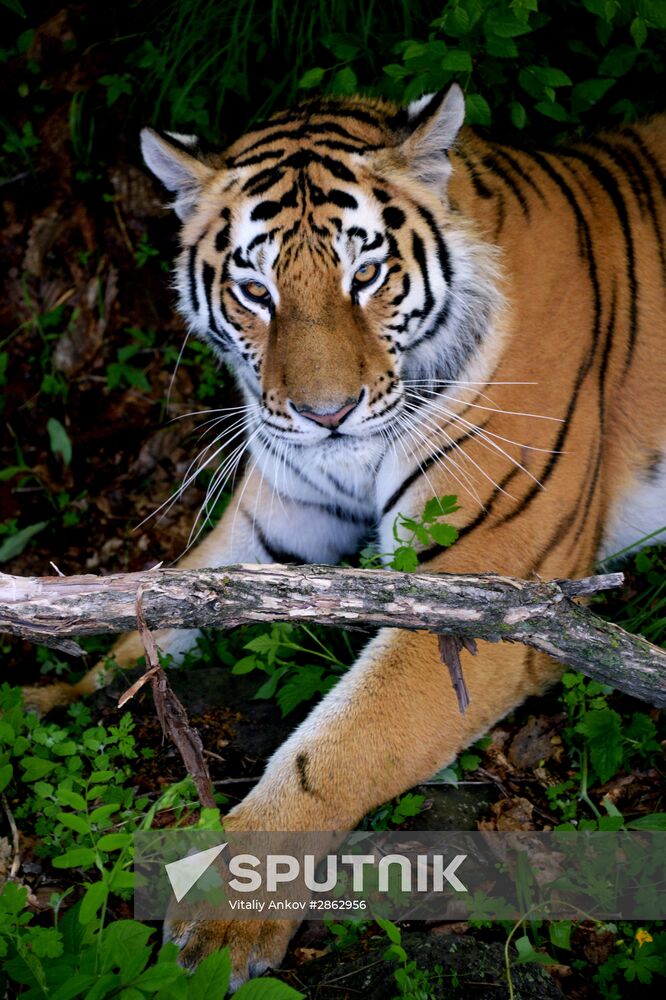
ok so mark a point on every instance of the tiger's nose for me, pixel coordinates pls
(329, 418)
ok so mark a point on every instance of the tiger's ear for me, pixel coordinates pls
(434, 121)
(173, 163)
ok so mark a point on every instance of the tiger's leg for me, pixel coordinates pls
(391, 722)
(253, 527)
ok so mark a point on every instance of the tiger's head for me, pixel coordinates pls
(322, 260)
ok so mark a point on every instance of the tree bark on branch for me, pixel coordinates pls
(542, 615)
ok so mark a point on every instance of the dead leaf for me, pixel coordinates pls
(510, 814)
(533, 742)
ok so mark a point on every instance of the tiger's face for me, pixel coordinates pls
(321, 259)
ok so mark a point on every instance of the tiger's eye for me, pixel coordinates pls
(366, 274)
(256, 291)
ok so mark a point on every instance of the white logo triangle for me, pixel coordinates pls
(186, 871)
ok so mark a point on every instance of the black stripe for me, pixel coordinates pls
(586, 248)
(308, 129)
(338, 512)
(518, 169)
(341, 198)
(274, 553)
(419, 256)
(426, 555)
(658, 176)
(479, 186)
(191, 268)
(608, 182)
(491, 163)
(419, 470)
(251, 161)
(442, 250)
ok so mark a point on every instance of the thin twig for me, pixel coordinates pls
(171, 712)
(16, 843)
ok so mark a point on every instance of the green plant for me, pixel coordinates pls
(394, 813)
(426, 529)
(599, 743)
(413, 982)
(121, 373)
(292, 677)
(74, 786)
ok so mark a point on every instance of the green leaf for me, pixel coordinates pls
(477, 110)
(603, 732)
(95, 895)
(305, 685)
(440, 506)
(457, 61)
(619, 61)
(105, 986)
(266, 643)
(73, 822)
(11, 471)
(526, 953)
(244, 666)
(549, 76)
(70, 798)
(405, 559)
(551, 109)
(15, 6)
(74, 987)
(266, 989)
(121, 880)
(501, 48)
(586, 94)
(505, 24)
(638, 32)
(341, 46)
(345, 81)
(158, 976)
(311, 78)
(655, 821)
(124, 945)
(559, 932)
(6, 774)
(114, 841)
(654, 11)
(59, 440)
(518, 115)
(79, 857)
(104, 812)
(35, 768)
(443, 534)
(395, 953)
(469, 761)
(15, 544)
(396, 71)
(268, 689)
(46, 942)
(392, 932)
(211, 977)
(98, 776)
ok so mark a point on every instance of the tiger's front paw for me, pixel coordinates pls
(254, 945)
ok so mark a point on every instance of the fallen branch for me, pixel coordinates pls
(171, 712)
(486, 606)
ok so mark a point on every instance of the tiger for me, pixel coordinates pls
(410, 310)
